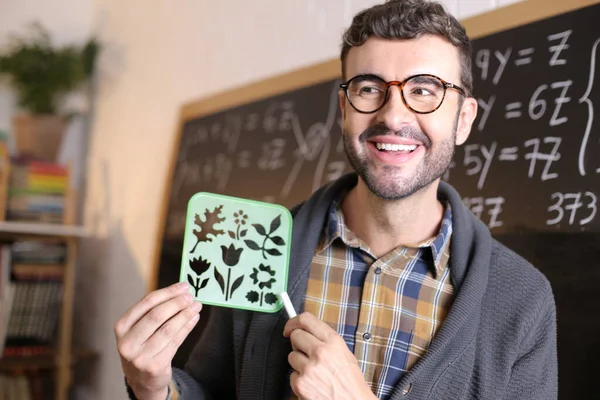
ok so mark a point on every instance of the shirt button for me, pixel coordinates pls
(367, 336)
(377, 271)
(406, 389)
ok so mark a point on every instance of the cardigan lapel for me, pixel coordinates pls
(264, 368)
(264, 365)
(470, 254)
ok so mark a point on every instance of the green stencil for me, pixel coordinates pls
(236, 252)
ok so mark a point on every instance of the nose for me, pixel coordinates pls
(394, 114)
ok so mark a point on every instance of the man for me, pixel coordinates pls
(404, 292)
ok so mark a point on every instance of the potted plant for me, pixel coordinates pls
(42, 76)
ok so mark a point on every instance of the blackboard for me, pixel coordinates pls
(530, 169)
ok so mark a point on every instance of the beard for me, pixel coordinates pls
(392, 184)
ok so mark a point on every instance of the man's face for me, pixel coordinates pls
(420, 147)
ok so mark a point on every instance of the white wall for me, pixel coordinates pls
(157, 56)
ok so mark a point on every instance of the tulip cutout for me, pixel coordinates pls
(199, 266)
(231, 257)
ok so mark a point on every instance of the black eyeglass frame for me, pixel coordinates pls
(446, 85)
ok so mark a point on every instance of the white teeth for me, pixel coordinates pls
(395, 147)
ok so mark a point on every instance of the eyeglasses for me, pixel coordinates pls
(423, 93)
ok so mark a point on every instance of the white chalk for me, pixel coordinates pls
(287, 303)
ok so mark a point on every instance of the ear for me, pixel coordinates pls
(342, 98)
(467, 115)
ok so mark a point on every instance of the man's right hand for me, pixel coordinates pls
(149, 334)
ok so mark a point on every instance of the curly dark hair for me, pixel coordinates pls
(410, 19)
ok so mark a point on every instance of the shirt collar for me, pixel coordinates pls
(439, 243)
(335, 228)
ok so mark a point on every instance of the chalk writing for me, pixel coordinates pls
(533, 145)
(571, 205)
(590, 107)
(548, 157)
(557, 49)
(488, 209)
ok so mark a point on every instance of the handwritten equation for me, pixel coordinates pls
(532, 159)
(274, 144)
(534, 132)
(540, 154)
(546, 100)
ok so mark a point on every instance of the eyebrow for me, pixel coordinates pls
(424, 79)
(367, 76)
(406, 76)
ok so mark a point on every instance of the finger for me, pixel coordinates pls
(304, 342)
(294, 383)
(168, 352)
(298, 361)
(169, 330)
(293, 323)
(151, 300)
(155, 318)
(311, 324)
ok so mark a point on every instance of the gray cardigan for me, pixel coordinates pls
(497, 342)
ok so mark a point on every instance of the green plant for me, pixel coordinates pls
(42, 73)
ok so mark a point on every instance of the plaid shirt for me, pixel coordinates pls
(388, 309)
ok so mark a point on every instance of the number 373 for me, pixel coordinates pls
(571, 203)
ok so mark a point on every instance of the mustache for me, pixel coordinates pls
(407, 132)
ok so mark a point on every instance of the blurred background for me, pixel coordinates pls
(90, 95)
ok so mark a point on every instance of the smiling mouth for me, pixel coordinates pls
(396, 148)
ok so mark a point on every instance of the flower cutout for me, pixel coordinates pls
(240, 220)
(231, 255)
(199, 265)
(263, 276)
(240, 217)
(252, 296)
(270, 298)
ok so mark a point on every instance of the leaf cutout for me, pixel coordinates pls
(275, 224)
(270, 298)
(207, 227)
(251, 244)
(243, 233)
(236, 284)
(191, 280)
(278, 240)
(204, 283)
(252, 296)
(231, 234)
(273, 252)
(220, 280)
(260, 229)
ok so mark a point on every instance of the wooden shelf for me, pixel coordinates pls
(42, 362)
(62, 359)
(41, 229)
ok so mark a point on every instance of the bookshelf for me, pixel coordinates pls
(41, 229)
(62, 358)
(58, 358)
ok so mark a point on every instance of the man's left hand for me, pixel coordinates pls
(324, 367)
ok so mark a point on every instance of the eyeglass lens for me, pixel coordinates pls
(421, 93)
